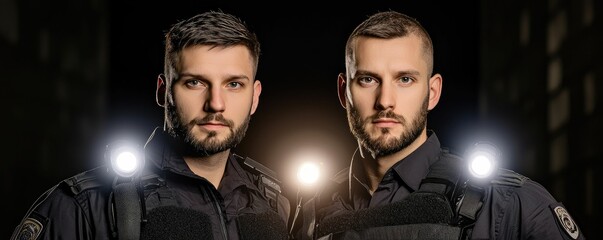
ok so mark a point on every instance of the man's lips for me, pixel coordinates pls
(385, 122)
(213, 125)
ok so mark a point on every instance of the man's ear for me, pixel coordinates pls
(257, 89)
(160, 93)
(435, 90)
(341, 89)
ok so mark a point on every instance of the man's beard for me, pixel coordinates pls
(381, 146)
(210, 145)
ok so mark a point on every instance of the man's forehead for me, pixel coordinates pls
(388, 55)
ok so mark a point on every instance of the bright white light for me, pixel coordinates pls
(483, 159)
(126, 162)
(308, 173)
(481, 166)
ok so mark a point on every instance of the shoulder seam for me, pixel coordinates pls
(509, 178)
(84, 181)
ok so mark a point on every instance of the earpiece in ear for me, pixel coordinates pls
(160, 93)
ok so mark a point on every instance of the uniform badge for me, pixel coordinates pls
(30, 229)
(566, 221)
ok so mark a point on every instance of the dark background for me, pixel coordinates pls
(83, 73)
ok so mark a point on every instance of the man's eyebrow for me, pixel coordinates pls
(409, 72)
(202, 77)
(399, 73)
(364, 72)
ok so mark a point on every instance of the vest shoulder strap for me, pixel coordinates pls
(447, 177)
(443, 176)
(128, 208)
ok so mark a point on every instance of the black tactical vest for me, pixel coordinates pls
(445, 206)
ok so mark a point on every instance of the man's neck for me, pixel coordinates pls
(375, 167)
(209, 167)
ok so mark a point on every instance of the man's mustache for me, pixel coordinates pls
(388, 114)
(215, 118)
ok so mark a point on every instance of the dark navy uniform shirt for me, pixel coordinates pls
(509, 212)
(68, 212)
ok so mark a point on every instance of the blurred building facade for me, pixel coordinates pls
(54, 61)
(541, 72)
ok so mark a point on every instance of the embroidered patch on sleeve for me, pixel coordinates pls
(30, 229)
(566, 222)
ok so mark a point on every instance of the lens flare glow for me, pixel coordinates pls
(308, 173)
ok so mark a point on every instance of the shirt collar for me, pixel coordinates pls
(234, 176)
(412, 169)
(160, 152)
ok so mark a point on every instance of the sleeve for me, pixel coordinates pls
(533, 213)
(543, 217)
(55, 215)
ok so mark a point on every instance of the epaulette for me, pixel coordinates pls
(508, 178)
(266, 179)
(93, 178)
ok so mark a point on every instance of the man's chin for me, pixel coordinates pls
(211, 141)
(385, 142)
(385, 138)
(210, 147)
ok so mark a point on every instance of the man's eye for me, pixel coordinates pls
(194, 83)
(234, 85)
(366, 80)
(406, 80)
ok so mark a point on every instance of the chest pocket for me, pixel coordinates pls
(244, 200)
(156, 193)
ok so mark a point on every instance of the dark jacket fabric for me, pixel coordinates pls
(510, 210)
(79, 207)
